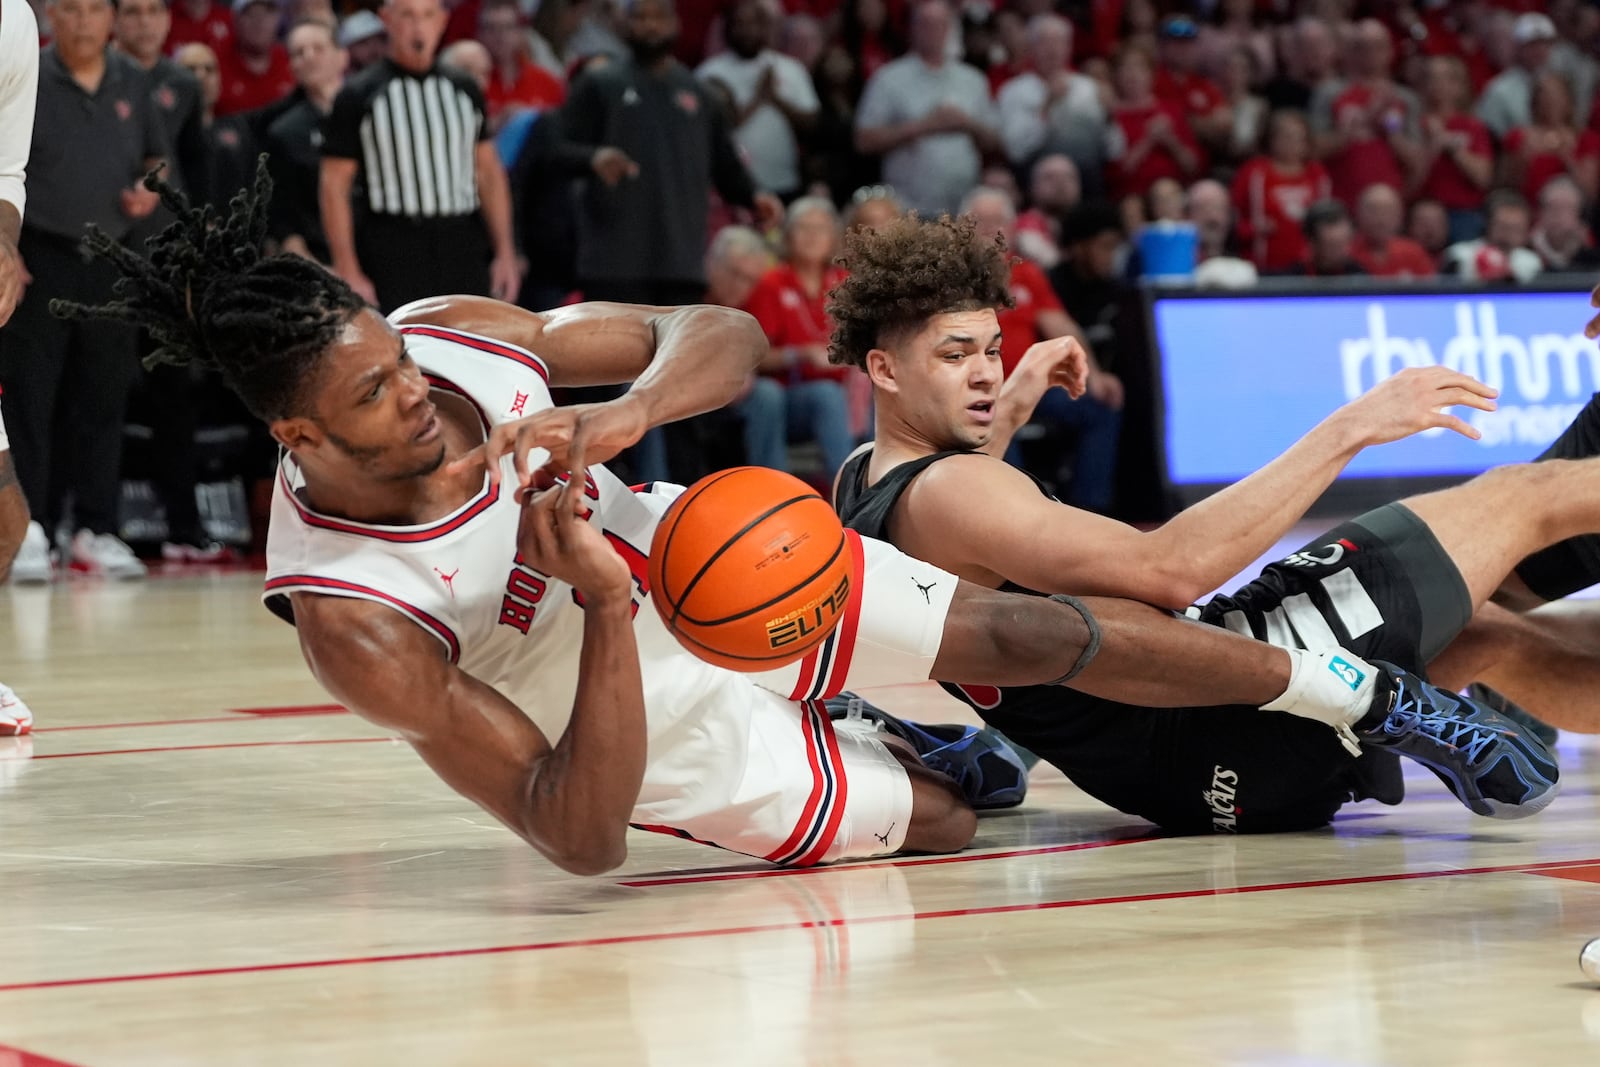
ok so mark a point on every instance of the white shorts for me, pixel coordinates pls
(770, 775)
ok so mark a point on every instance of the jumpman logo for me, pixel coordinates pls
(449, 580)
(884, 837)
(923, 589)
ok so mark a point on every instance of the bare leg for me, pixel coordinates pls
(1147, 656)
(1490, 524)
(941, 819)
(1541, 660)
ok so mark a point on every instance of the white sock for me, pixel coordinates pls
(1332, 686)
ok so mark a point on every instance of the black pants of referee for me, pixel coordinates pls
(410, 258)
(66, 387)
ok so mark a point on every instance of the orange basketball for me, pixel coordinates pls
(749, 569)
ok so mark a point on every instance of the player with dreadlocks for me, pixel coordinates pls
(447, 585)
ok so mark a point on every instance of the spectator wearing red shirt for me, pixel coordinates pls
(1378, 246)
(255, 67)
(200, 22)
(1179, 83)
(790, 304)
(1370, 127)
(1551, 145)
(1271, 194)
(516, 82)
(1456, 163)
(1149, 138)
(1037, 315)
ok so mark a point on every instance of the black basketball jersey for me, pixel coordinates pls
(1021, 712)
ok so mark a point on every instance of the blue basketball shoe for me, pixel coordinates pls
(1492, 765)
(984, 765)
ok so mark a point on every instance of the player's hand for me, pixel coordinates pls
(1415, 400)
(575, 437)
(14, 277)
(505, 277)
(1060, 361)
(611, 165)
(556, 538)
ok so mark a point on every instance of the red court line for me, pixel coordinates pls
(926, 861)
(765, 928)
(16, 1057)
(255, 713)
(133, 725)
(200, 748)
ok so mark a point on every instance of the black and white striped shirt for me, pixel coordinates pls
(414, 136)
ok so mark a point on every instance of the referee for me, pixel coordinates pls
(413, 196)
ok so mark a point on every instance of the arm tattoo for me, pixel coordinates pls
(8, 472)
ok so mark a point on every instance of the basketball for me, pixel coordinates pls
(749, 569)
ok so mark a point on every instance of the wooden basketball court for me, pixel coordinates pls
(203, 863)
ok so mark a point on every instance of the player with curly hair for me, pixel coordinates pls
(1397, 584)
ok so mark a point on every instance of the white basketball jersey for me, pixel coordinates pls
(460, 578)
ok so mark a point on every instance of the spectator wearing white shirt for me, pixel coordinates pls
(19, 88)
(772, 97)
(1051, 108)
(929, 117)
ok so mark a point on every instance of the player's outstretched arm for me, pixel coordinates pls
(572, 800)
(685, 359)
(982, 519)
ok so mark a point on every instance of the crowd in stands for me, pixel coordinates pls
(719, 150)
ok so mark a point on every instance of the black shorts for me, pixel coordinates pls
(1380, 586)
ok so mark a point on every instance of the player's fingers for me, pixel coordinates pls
(1592, 330)
(1460, 426)
(476, 458)
(1471, 384)
(520, 448)
(1594, 300)
(1471, 399)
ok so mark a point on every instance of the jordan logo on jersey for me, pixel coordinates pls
(449, 580)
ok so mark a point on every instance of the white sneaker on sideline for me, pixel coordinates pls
(32, 564)
(104, 554)
(15, 718)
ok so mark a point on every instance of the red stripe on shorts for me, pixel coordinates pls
(841, 793)
(845, 644)
(819, 787)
